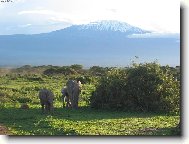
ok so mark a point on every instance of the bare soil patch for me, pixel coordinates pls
(3, 130)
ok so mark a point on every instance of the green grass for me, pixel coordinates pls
(86, 121)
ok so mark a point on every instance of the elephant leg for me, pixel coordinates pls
(63, 101)
(46, 106)
(76, 103)
(76, 98)
(42, 108)
(51, 107)
(72, 101)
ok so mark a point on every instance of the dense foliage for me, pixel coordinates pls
(145, 87)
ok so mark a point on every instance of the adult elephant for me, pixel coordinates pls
(73, 90)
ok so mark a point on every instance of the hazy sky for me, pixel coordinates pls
(37, 16)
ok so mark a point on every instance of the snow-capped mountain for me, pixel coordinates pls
(112, 25)
(111, 28)
(108, 27)
(101, 43)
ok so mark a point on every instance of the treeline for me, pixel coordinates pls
(77, 69)
(50, 70)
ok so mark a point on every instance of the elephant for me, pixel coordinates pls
(65, 98)
(46, 99)
(71, 93)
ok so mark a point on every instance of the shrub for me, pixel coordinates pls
(144, 87)
(110, 90)
(23, 100)
(153, 89)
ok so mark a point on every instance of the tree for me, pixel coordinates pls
(143, 87)
(77, 67)
(97, 70)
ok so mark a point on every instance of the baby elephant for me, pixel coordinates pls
(46, 99)
(65, 98)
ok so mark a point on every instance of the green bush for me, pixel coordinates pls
(110, 90)
(23, 100)
(144, 87)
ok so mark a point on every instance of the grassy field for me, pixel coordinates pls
(15, 90)
(86, 121)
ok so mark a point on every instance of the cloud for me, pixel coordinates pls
(157, 15)
(154, 35)
(51, 15)
(25, 25)
(42, 12)
(112, 10)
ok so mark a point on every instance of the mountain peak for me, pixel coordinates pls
(111, 25)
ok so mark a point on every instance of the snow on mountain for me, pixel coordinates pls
(111, 25)
(112, 28)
